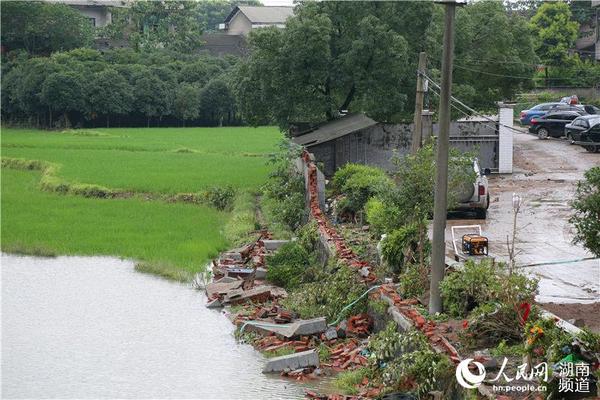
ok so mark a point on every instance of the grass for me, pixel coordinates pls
(77, 169)
(282, 351)
(347, 381)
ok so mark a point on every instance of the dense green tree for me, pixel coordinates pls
(151, 96)
(109, 94)
(587, 211)
(331, 56)
(164, 24)
(186, 105)
(43, 27)
(555, 32)
(494, 53)
(217, 101)
(64, 92)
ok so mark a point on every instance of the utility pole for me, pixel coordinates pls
(417, 136)
(438, 246)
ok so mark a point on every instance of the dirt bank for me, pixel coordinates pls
(589, 314)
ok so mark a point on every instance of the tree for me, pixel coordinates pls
(42, 27)
(165, 24)
(109, 93)
(587, 211)
(494, 53)
(187, 102)
(331, 56)
(152, 95)
(64, 92)
(216, 101)
(555, 33)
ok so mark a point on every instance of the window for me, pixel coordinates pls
(93, 21)
(571, 117)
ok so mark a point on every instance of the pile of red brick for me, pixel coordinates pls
(433, 331)
(336, 240)
(347, 355)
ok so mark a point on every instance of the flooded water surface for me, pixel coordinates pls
(92, 327)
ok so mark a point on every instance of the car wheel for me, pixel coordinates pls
(542, 133)
(592, 148)
(570, 138)
(481, 213)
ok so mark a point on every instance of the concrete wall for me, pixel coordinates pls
(378, 144)
(239, 25)
(589, 93)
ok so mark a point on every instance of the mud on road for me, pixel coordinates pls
(545, 176)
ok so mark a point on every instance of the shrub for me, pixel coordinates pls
(359, 183)
(400, 247)
(382, 217)
(334, 289)
(462, 291)
(480, 283)
(286, 267)
(587, 210)
(87, 190)
(220, 197)
(414, 281)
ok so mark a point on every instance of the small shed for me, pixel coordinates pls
(356, 138)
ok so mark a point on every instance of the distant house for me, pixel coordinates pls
(98, 12)
(588, 45)
(243, 19)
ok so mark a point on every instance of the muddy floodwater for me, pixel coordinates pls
(92, 327)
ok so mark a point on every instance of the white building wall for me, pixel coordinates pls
(239, 25)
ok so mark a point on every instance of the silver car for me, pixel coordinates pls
(476, 197)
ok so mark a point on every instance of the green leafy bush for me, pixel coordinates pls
(283, 202)
(481, 283)
(406, 361)
(359, 183)
(220, 197)
(400, 247)
(382, 216)
(332, 290)
(286, 267)
(347, 381)
(587, 210)
(414, 281)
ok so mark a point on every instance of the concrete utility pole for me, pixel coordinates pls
(438, 245)
(417, 136)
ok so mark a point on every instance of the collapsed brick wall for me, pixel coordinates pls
(338, 247)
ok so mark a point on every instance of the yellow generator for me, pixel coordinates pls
(474, 245)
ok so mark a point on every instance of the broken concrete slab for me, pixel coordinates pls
(226, 279)
(307, 327)
(302, 327)
(260, 273)
(294, 361)
(331, 333)
(258, 293)
(216, 303)
(273, 245)
(222, 288)
(231, 256)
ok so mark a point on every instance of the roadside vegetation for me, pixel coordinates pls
(125, 192)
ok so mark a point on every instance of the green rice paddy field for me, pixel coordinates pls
(161, 162)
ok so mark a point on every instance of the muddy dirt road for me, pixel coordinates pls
(545, 176)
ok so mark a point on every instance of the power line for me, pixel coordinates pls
(504, 76)
(469, 108)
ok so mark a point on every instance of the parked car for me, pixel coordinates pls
(552, 124)
(545, 108)
(475, 197)
(580, 124)
(536, 111)
(591, 136)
